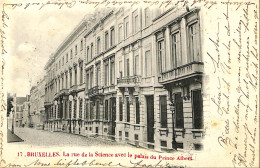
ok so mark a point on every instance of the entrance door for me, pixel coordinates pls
(150, 118)
(113, 110)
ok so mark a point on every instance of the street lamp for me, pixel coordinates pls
(12, 120)
(172, 108)
(70, 99)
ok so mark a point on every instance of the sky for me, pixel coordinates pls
(33, 35)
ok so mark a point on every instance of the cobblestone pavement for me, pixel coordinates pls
(45, 138)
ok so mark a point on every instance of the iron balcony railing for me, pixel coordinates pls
(96, 90)
(181, 72)
(128, 81)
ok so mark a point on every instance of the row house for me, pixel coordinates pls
(18, 103)
(26, 107)
(37, 116)
(65, 83)
(178, 39)
(144, 78)
(133, 75)
(100, 106)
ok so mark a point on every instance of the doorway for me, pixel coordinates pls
(150, 118)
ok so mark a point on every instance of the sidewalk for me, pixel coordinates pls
(12, 137)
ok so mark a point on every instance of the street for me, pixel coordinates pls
(45, 138)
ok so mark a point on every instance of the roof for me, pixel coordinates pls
(20, 100)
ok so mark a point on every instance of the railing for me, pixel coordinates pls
(128, 81)
(95, 91)
(182, 72)
(73, 88)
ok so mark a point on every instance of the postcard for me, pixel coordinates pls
(129, 83)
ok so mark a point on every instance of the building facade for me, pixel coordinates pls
(25, 120)
(18, 110)
(37, 114)
(65, 83)
(131, 75)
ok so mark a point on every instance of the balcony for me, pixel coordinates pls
(129, 81)
(61, 93)
(95, 91)
(73, 89)
(47, 103)
(192, 69)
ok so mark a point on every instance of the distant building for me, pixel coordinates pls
(18, 110)
(26, 106)
(37, 110)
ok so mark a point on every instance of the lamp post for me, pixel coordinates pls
(172, 108)
(12, 121)
(70, 99)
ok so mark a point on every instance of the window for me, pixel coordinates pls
(106, 40)
(176, 58)
(62, 82)
(126, 24)
(127, 66)
(71, 53)
(194, 44)
(63, 61)
(81, 45)
(88, 54)
(147, 17)
(75, 109)
(76, 49)
(106, 109)
(120, 69)
(86, 112)
(127, 110)
(112, 36)
(137, 65)
(91, 79)
(112, 72)
(120, 109)
(91, 51)
(98, 45)
(161, 54)
(179, 121)
(81, 74)
(163, 111)
(106, 73)
(91, 111)
(70, 78)
(59, 84)
(59, 64)
(80, 108)
(67, 57)
(70, 109)
(76, 76)
(66, 82)
(120, 33)
(197, 108)
(98, 75)
(148, 63)
(97, 110)
(135, 21)
(137, 111)
(87, 81)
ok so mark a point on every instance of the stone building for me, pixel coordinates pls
(133, 75)
(65, 83)
(36, 116)
(18, 110)
(25, 120)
